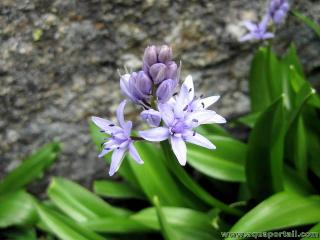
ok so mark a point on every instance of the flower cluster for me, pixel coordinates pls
(276, 11)
(169, 115)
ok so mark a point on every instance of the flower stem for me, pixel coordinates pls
(190, 184)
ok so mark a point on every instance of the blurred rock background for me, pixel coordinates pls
(59, 61)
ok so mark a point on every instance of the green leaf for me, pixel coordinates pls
(311, 24)
(117, 190)
(30, 169)
(78, 203)
(249, 120)
(225, 163)
(258, 82)
(154, 178)
(314, 232)
(296, 137)
(64, 227)
(187, 224)
(213, 129)
(265, 152)
(17, 208)
(265, 82)
(20, 234)
(190, 184)
(313, 142)
(116, 225)
(167, 231)
(282, 210)
(294, 183)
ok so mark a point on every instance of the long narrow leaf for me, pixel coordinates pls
(30, 169)
(78, 203)
(63, 227)
(17, 208)
(225, 163)
(282, 210)
(189, 183)
(265, 152)
(116, 190)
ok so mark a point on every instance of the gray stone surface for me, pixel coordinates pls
(59, 61)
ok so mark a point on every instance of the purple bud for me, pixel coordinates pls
(171, 72)
(136, 86)
(144, 83)
(166, 90)
(152, 117)
(165, 54)
(158, 72)
(150, 57)
(278, 10)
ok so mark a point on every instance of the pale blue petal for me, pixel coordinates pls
(198, 139)
(134, 154)
(155, 134)
(179, 148)
(166, 113)
(116, 160)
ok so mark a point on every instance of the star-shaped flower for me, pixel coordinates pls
(257, 31)
(120, 140)
(180, 119)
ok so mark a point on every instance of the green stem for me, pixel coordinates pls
(190, 184)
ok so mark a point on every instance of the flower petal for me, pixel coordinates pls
(124, 85)
(116, 160)
(198, 139)
(104, 124)
(104, 152)
(251, 26)
(179, 148)
(166, 113)
(204, 117)
(152, 117)
(207, 102)
(134, 154)
(188, 82)
(155, 134)
(120, 112)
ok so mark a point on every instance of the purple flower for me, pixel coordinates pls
(278, 10)
(158, 64)
(257, 31)
(164, 54)
(152, 117)
(179, 125)
(166, 90)
(136, 87)
(120, 141)
(192, 102)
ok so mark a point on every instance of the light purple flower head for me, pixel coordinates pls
(257, 31)
(180, 122)
(158, 64)
(278, 9)
(119, 141)
(136, 86)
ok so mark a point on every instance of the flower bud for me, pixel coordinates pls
(165, 54)
(152, 117)
(278, 10)
(166, 90)
(140, 85)
(171, 72)
(158, 72)
(124, 85)
(149, 57)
